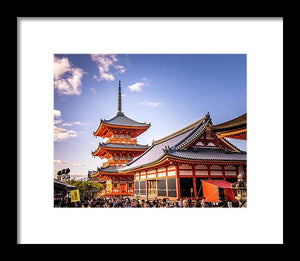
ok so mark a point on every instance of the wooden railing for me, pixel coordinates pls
(122, 140)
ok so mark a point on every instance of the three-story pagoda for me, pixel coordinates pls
(119, 149)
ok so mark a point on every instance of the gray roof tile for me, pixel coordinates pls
(108, 169)
(208, 153)
(155, 152)
(122, 120)
(123, 146)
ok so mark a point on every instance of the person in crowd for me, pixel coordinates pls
(203, 203)
(185, 203)
(128, 202)
(180, 205)
(197, 203)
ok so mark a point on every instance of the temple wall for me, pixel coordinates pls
(163, 181)
(216, 170)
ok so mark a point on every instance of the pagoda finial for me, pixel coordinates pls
(119, 101)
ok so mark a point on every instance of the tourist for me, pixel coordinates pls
(180, 203)
(126, 202)
(185, 203)
(203, 203)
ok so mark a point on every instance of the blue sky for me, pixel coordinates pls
(168, 91)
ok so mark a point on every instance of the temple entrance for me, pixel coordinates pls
(199, 186)
(231, 180)
(152, 188)
(123, 188)
(186, 184)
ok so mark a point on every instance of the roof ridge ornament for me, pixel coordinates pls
(166, 149)
(207, 118)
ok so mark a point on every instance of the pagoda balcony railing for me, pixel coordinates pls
(121, 140)
(114, 164)
(106, 164)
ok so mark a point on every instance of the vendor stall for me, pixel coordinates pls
(218, 191)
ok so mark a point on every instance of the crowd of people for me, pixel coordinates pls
(127, 202)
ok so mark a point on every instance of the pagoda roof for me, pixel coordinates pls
(121, 120)
(123, 146)
(110, 173)
(108, 169)
(120, 146)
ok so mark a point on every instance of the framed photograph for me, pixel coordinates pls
(152, 123)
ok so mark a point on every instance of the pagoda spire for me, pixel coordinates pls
(119, 99)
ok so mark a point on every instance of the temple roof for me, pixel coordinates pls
(121, 120)
(178, 143)
(236, 123)
(208, 153)
(197, 132)
(157, 150)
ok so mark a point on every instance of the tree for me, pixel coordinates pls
(86, 187)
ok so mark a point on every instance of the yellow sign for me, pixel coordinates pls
(108, 187)
(75, 195)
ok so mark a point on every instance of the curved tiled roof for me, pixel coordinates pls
(123, 146)
(156, 151)
(108, 169)
(197, 132)
(237, 123)
(209, 153)
(176, 143)
(121, 120)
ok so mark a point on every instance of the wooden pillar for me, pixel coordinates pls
(237, 170)
(166, 181)
(146, 184)
(223, 172)
(177, 182)
(156, 172)
(245, 174)
(194, 182)
(167, 193)
(208, 171)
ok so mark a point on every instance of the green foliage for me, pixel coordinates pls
(86, 187)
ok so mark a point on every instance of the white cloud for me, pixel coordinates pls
(60, 67)
(58, 121)
(57, 113)
(107, 66)
(137, 87)
(69, 124)
(61, 134)
(60, 162)
(65, 162)
(67, 79)
(78, 165)
(151, 104)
